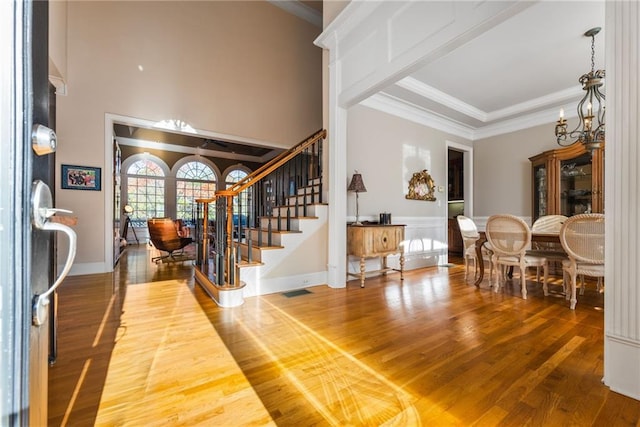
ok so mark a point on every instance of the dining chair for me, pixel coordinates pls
(470, 236)
(582, 237)
(510, 237)
(552, 251)
(549, 223)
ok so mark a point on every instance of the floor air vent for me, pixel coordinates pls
(295, 293)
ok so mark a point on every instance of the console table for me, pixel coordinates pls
(375, 240)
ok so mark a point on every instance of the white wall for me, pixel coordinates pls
(387, 151)
(238, 68)
(502, 170)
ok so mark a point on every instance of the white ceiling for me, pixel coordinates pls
(515, 75)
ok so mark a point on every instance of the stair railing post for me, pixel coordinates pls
(221, 210)
(319, 174)
(249, 229)
(278, 200)
(287, 199)
(297, 184)
(231, 254)
(305, 181)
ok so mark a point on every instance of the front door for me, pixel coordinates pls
(27, 264)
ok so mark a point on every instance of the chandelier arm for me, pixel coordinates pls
(588, 132)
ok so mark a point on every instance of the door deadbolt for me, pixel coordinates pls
(43, 140)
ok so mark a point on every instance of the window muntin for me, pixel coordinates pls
(145, 191)
(240, 202)
(194, 180)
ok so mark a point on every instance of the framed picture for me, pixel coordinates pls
(81, 178)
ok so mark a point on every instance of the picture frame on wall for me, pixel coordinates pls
(81, 178)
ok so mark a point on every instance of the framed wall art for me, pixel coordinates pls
(81, 178)
(422, 187)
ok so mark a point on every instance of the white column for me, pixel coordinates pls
(335, 168)
(622, 204)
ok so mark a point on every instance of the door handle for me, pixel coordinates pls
(41, 202)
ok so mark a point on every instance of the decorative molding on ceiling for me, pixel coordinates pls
(426, 91)
(547, 101)
(300, 10)
(400, 108)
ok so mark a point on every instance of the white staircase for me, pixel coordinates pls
(296, 258)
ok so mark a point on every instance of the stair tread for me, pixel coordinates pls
(300, 206)
(274, 230)
(284, 218)
(265, 247)
(244, 263)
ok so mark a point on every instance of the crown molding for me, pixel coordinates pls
(547, 101)
(397, 107)
(429, 92)
(433, 94)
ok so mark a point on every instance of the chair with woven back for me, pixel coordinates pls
(510, 237)
(582, 237)
(552, 251)
(164, 236)
(470, 236)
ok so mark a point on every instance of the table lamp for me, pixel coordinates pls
(357, 185)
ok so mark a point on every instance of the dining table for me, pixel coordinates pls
(546, 237)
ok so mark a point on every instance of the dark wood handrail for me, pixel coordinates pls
(274, 163)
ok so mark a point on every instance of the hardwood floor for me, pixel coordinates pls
(145, 346)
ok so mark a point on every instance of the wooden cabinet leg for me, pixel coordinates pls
(362, 272)
(401, 266)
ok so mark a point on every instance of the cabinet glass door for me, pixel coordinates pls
(540, 190)
(576, 184)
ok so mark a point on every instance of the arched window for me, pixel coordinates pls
(241, 202)
(145, 191)
(194, 180)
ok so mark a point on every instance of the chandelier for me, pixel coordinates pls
(590, 129)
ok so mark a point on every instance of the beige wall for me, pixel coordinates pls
(57, 38)
(387, 151)
(502, 171)
(240, 68)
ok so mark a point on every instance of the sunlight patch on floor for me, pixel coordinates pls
(338, 385)
(170, 367)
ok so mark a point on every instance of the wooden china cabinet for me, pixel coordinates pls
(567, 181)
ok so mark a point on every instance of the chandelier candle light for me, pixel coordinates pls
(589, 133)
(357, 185)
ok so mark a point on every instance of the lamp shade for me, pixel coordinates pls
(357, 184)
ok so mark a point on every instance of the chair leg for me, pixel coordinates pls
(499, 278)
(466, 266)
(545, 286)
(160, 258)
(523, 279)
(574, 300)
(475, 267)
(491, 268)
